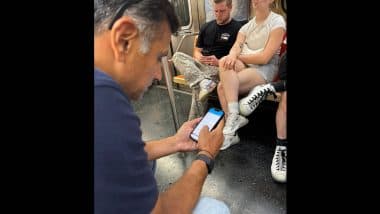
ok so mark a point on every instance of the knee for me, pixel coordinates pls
(221, 62)
(239, 65)
(225, 74)
(211, 206)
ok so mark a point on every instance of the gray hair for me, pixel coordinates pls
(147, 14)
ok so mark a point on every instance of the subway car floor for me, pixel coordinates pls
(241, 177)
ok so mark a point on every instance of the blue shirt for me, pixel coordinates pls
(123, 180)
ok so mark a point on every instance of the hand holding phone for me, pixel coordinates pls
(211, 119)
(205, 52)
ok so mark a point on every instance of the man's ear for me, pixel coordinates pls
(123, 32)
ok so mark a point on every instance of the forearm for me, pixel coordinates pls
(238, 46)
(257, 59)
(183, 195)
(235, 50)
(197, 53)
(159, 148)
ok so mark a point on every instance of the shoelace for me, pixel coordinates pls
(259, 97)
(281, 156)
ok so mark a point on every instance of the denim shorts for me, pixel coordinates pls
(268, 71)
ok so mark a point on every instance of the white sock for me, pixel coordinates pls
(233, 108)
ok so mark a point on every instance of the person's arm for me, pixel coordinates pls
(182, 196)
(229, 61)
(238, 45)
(179, 142)
(159, 148)
(197, 54)
(211, 60)
(272, 46)
(207, 60)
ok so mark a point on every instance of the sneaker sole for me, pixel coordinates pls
(278, 180)
(231, 144)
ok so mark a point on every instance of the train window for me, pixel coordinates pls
(240, 10)
(182, 9)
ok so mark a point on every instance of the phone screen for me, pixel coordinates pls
(211, 119)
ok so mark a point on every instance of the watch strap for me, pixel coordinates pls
(209, 161)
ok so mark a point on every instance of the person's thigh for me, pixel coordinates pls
(249, 78)
(207, 205)
(268, 71)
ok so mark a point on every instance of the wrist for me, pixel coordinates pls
(205, 152)
(207, 160)
(174, 144)
(234, 55)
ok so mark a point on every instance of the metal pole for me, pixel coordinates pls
(169, 84)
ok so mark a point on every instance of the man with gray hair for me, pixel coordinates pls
(131, 37)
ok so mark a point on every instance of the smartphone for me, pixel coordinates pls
(211, 119)
(205, 52)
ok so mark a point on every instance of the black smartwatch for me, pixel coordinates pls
(209, 161)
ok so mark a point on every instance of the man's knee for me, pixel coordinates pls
(207, 205)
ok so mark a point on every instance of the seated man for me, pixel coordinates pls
(248, 104)
(214, 41)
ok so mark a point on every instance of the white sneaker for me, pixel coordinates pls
(233, 123)
(206, 87)
(230, 140)
(249, 103)
(278, 167)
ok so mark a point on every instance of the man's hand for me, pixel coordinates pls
(182, 138)
(211, 141)
(209, 60)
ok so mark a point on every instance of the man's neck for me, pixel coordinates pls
(226, 22)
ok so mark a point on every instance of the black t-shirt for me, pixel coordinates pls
(217, 39)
